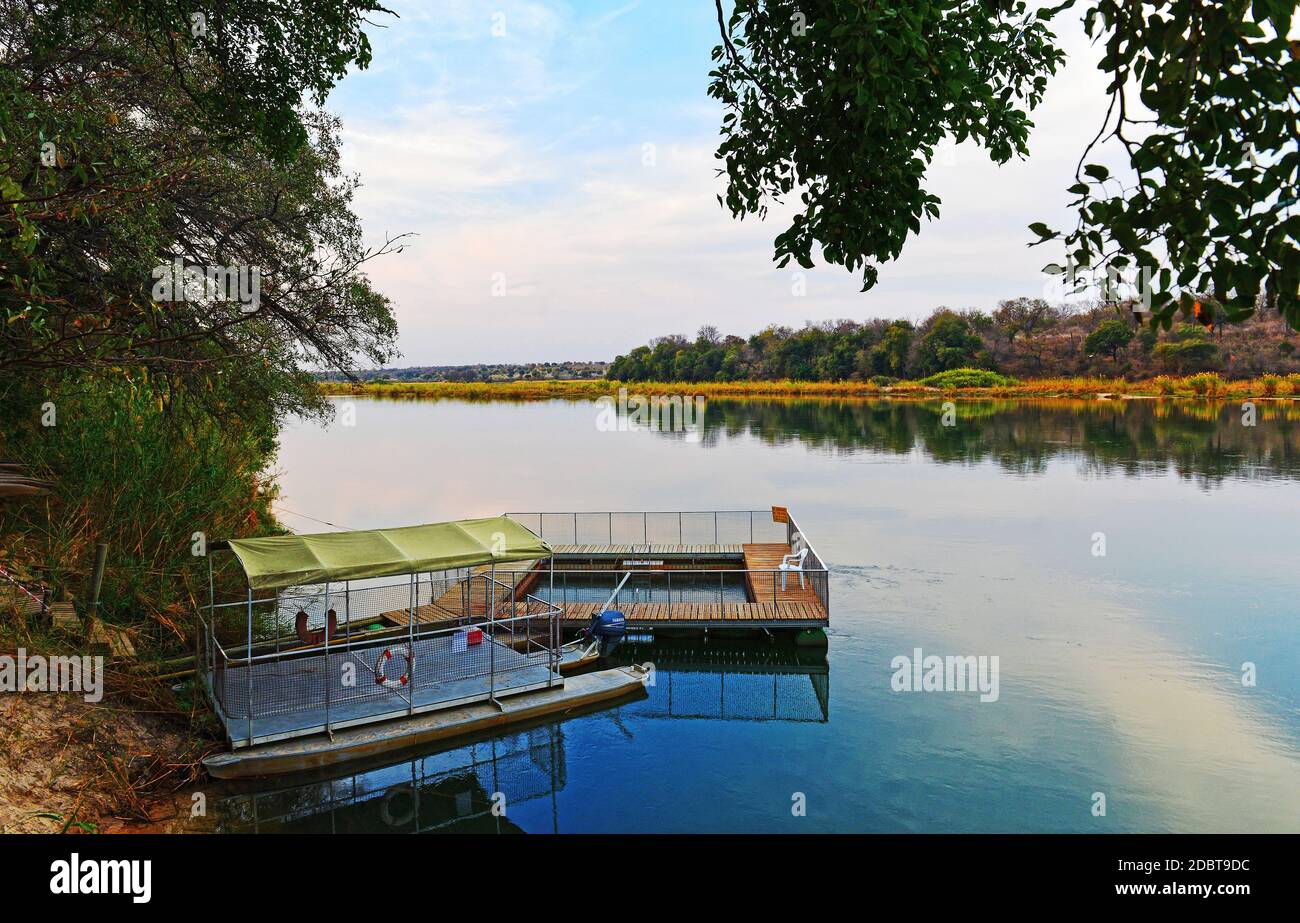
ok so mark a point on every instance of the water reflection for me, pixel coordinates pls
(454, 791)
(759, 681)
(1206, 441)
(449, 792)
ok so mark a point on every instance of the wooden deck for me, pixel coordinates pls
(453, 606)
(769, 606)
(763, 588)
(705, 615)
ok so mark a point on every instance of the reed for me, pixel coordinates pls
(1201, 386)
(143, 475)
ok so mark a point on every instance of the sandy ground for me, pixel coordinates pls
(106, 765)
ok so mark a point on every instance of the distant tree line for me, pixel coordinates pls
(1023, 337)
(499, 371)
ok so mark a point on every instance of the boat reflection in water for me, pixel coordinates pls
(454, 790)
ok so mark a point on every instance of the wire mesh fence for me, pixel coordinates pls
(331, 670)
(685, 527)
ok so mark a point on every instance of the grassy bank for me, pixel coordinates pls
(1202, 386)
(142, 474)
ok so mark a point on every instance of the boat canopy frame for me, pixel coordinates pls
(280, 561)
(447, 553)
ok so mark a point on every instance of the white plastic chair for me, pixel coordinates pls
(792, 562)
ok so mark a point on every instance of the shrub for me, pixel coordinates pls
(1270, 384)
(883, 381)
(1164, 384)
(967, 378)
(1206, 384)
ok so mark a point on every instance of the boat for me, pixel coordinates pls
(327, 658)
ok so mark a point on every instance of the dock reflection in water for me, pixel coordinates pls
(448, 792)
(453, 791)
(740, 681)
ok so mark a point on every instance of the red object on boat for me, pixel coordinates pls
(474, 636)
(315, 637)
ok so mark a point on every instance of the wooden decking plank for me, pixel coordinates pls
(708, 613)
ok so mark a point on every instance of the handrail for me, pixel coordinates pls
(673, 570)
(628, 512)
(424, 632)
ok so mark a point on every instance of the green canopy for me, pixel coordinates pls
(292, 560)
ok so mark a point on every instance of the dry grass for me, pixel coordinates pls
(1202, 386)
(122, 764)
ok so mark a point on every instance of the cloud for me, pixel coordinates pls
(516, 165)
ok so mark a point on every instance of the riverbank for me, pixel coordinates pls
(109, 767)
(1203, 386)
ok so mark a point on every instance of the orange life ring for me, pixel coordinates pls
(381, 662)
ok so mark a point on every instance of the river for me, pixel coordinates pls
(1130, 564)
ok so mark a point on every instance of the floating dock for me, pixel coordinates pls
(675, 585)
(330, 665)
(307, 753)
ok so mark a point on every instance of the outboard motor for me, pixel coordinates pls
(607, 629)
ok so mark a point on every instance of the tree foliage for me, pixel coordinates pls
(1203, 106)
(947, 342)
(1063, 342)
(842, 104)
(112, 168)
(1109, 338)
(131, 142)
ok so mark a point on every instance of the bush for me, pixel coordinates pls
(883, 381)
(1271, 384)
(1164, 384)
(1206, 384)
(967, 378)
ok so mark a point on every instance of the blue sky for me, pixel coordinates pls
(556, 162)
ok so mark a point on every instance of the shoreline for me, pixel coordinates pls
(1193, 387)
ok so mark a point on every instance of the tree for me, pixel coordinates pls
(1189, 349)
(946, 342)
(1026, 316)
(138, 139)
(1109, 338)
(842, 103)
(158, 169)
(889, 356)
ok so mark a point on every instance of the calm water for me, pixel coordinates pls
(1119, 674)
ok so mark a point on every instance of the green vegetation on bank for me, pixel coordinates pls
(1022, 337)
(1200, 118)
(153, 400)
(972, 383)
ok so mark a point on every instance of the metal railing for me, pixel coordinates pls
(355, 673)
(678, 586)
(814, 562)
(644, 527)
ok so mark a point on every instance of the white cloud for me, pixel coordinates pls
(600, 253)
